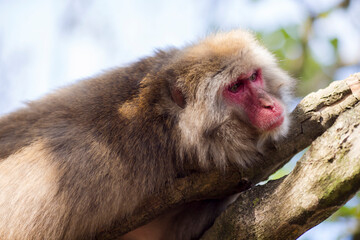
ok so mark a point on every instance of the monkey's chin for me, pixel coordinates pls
(276, 130)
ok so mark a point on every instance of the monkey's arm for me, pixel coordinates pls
(312, 117)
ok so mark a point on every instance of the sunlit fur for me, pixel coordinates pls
(83, 157)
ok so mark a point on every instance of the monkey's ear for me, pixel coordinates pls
(178, 97)
(176, 94)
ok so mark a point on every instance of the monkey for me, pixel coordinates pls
(78, 159)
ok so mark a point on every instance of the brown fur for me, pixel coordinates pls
(76, 160)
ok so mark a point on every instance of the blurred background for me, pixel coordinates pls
(45, 44)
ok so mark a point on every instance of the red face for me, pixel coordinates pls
(264, 111)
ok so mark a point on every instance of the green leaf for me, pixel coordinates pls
(335, 43)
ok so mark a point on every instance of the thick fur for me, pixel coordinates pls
(76, 160)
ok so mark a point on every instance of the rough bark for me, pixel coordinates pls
(323, 180)
(312, 191)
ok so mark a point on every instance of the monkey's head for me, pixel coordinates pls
(231, 95)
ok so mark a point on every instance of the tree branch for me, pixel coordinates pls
(325, 178)
(314, 114)
(311, 118)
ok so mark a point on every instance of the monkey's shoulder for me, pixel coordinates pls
(100, 104)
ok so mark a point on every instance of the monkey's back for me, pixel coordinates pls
(67, 159)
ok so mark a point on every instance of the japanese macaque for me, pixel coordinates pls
(76, 160)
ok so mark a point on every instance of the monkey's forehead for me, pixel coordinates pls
(223, 44)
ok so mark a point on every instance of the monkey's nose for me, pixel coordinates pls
(266, 103)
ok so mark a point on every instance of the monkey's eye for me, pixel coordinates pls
(253, 77)
(236, 87)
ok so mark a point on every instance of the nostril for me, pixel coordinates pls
(269, 107)
(266, 103)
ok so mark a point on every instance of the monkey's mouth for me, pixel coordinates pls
(277, 122)
(267, 119)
